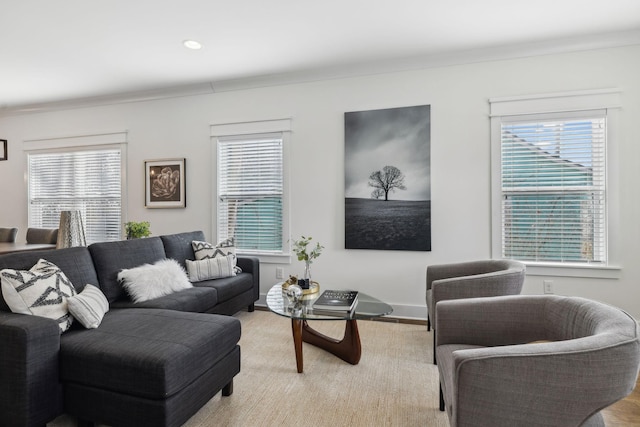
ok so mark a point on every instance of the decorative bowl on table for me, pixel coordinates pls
(314, 287)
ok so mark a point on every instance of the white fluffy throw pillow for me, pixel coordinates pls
(211, 268)
(150, 281)
(40, 291)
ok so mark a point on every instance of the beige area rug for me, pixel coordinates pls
(395, 383)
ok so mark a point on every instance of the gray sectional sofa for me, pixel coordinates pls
(153, 363)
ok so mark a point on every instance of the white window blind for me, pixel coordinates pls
(89, 181)
(250, 192)
(553, 184)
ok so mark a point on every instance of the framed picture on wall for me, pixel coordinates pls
(165, 185)
(388, 179)
(3, 149)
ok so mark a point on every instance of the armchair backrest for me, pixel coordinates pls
(492, 267)
(42, 235)
(8, 234)
(570, 318)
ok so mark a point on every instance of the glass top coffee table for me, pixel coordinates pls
(348, 348)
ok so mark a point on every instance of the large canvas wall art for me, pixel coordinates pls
(388, 179)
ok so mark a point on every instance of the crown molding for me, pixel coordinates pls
(118, 98)
(497, 53)
(462, 57)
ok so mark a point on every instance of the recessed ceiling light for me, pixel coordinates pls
(192, 44)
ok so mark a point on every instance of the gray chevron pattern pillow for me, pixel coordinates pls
(205, 250)
(40, 291)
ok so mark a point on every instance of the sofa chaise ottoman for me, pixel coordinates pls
(148, 367)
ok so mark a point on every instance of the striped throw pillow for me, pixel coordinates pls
(205, 250)
(89, 306)
(211, 268)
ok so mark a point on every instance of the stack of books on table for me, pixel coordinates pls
(335, 302)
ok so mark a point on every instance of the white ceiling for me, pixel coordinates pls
(53, 51)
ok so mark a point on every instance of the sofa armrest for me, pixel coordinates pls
(29, 381)
(251, 265)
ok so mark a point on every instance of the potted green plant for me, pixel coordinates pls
(136, 230)
(301, 249)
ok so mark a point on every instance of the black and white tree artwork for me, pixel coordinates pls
(388, 179)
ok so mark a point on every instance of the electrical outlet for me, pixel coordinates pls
(548, 286)
(279, 273)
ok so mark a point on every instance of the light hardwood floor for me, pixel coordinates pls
(625, 413)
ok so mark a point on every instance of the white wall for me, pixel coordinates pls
(460, 155)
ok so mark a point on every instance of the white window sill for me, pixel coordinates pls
(573, 270)
(268, 258)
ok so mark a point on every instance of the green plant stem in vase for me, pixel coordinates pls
(307, 272)
(307, 254)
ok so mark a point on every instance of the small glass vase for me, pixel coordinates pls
(307, 274)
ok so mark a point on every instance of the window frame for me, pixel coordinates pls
(561, 104)
(252, 129)
(77, 143)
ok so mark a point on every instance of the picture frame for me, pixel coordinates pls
(165, 185)
(3, 149)
(388, 195)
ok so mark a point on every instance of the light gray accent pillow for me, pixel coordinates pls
(89, 306)
(40, 291)
(211, 268)
(150, 281)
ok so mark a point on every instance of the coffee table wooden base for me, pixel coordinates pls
(347, 349)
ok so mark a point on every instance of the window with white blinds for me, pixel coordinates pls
(89, 181)
(250, 192)
(553, 187)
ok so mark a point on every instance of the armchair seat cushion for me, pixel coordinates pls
(147, 353)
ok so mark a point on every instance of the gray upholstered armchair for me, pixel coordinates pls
(485, 278)
(495, 371)
(8, 234)
(42, 235)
